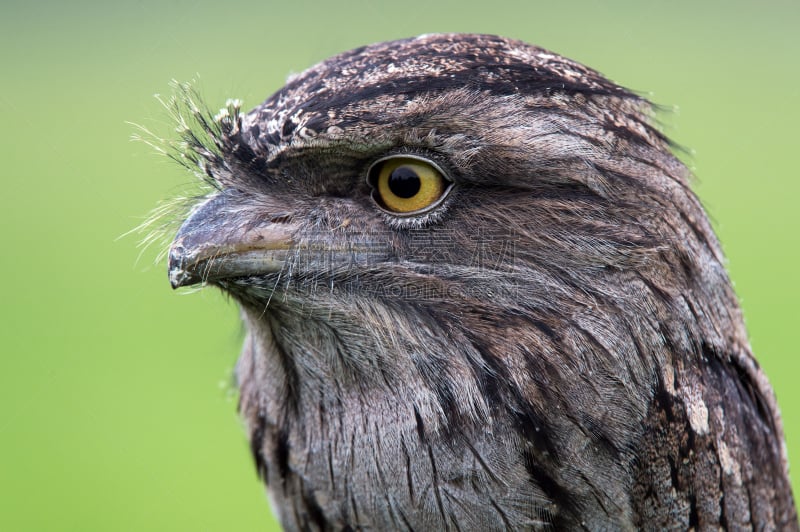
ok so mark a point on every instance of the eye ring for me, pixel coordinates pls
(407, 185)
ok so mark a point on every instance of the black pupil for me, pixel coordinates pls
(404, 182)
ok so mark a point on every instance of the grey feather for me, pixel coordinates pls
(555, 345)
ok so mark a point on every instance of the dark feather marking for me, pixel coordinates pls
(694, 518)
(300, 517)
(480, 459)
(354, 506)
(488, 382)
(750, 502)
(723, 519)
(331, 473)
(620, 132)
(282, 453)
(596, 429)
(596, 492)
(560, 496)
(454, 503)
(532, 426)
(435, 486)
(502, 514)
(405, 521)
(634, 136)
(656, 290)
(412, 87)
(747, 389)
(524, 417)
(699, 232)
(420, 427)
(379, 469)
(409, 480)
(433, 371)
(314, 510)
(292, 378)
(257, 445)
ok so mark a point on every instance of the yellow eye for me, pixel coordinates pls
(407, 184)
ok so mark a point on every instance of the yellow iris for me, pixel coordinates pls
(407, 184)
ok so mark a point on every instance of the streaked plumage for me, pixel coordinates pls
(554, 345)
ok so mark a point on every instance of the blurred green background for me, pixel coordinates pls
(116, 410)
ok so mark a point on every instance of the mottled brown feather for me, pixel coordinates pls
(556, 345)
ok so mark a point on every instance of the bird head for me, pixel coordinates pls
(460, 222)
(464, 237)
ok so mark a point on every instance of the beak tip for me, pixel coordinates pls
(178, 275)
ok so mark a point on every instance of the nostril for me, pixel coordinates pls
(176, 252)
(177, 255)
(281, 219)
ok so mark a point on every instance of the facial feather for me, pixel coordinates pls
(532, 352)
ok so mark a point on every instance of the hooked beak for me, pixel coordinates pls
(216, 243)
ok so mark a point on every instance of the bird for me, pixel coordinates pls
(479, 293)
